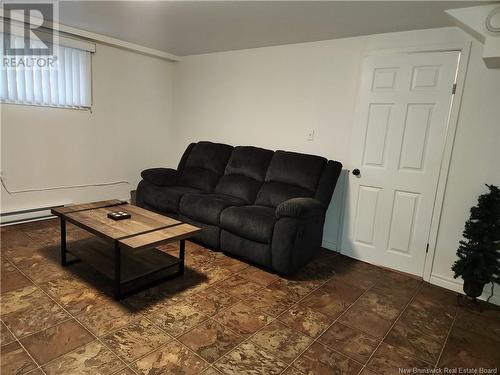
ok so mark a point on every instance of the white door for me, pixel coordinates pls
(398, 142)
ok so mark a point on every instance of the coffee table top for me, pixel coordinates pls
(143, 229)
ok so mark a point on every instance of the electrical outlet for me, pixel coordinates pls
(310, 134)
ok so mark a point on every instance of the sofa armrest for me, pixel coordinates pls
(160, 176)
(300, 208)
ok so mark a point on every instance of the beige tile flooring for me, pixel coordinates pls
(223, 316)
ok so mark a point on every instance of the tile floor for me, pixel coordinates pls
(335, 316)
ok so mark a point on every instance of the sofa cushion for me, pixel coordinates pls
(160, 176)
(245, 172)
(185, 156)
(249, 161)
(327, 182)
(300, 208)
(252, 222)
(290, 175)
(165, 198)
(206, 207)
(236, 185)
(272, 194)
(199, 178)
(292, 168)
(256, 252)
(204, 165)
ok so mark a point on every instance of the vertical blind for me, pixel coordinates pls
(65, 83)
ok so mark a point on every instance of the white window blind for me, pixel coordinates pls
(64, 83)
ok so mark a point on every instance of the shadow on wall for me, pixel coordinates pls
(332, 232)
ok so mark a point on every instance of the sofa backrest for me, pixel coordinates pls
(245, 172)
(290, 175)
(204, 165)
(327, 182)
(185, 155)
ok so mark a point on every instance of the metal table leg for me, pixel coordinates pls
(182, 247)
(117, 271)
(64, 250)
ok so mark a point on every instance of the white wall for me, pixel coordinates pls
(128, 130)
(269, 97)
(475, 162)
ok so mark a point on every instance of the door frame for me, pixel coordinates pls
(461, 73)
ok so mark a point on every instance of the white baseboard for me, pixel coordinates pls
(329, 245)
(457, 286)
(33, 214)
(26, 217)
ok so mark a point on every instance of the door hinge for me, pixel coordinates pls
(427, 249)
(454, 88)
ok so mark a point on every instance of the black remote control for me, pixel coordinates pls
(119, 215)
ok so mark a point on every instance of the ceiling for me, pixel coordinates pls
(195, 27)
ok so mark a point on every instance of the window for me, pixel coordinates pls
(62, 80)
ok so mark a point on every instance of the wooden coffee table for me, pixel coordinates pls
(133, 242)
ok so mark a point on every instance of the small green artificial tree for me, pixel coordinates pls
(479, 254)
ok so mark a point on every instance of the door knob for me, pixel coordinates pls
(356, 172)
